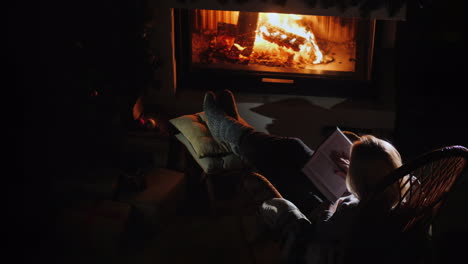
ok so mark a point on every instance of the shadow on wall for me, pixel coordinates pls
(297, 117)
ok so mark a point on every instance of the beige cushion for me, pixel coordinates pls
(212, 164)
(194, 128)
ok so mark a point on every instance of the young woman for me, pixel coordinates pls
(281, 159)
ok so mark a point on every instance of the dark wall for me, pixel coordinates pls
(431, 108)
(431, 105)
(91, 59)
(95, 69)
(60, 56)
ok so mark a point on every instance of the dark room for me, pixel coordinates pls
(233, 131)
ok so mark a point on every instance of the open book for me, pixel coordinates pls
(321, 168)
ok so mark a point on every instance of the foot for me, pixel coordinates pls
(223, 128)
(214, 114)
(227, 102)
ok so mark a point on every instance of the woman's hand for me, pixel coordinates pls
(342, 162)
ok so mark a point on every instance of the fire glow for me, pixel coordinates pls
(281, 34)
(273, 42)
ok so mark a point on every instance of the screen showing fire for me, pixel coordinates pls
(281, 43)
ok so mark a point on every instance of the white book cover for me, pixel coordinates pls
(321, 168)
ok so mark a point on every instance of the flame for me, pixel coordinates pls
(239, 47)
(309, 51)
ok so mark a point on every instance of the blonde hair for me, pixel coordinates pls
(371, 159)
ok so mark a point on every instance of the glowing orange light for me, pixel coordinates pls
(305, 50)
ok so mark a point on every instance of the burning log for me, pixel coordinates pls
(225, 48)
(247, 24)
(225, 36)
(281, 37)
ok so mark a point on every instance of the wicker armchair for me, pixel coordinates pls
(402, 235)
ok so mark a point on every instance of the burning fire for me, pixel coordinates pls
(283, 35)
(264, 39)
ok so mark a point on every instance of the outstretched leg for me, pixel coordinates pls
(223, 127)
(268, 153)
(280, 159)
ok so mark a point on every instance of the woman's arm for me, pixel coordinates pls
(337, 224)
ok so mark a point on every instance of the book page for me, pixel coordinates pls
(321, 168)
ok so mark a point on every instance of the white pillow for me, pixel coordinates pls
(197, 133)
(212, 164)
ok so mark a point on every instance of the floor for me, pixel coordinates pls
(137, 230)
(188, 229)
